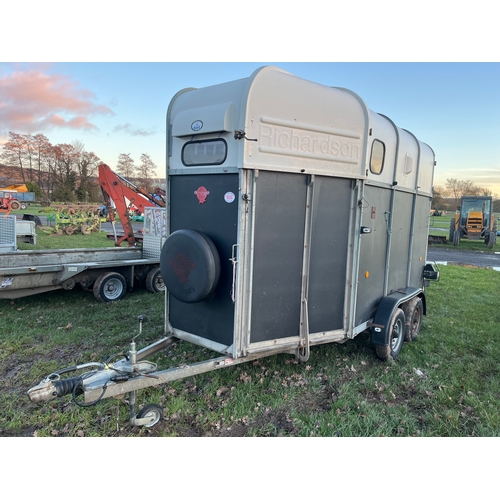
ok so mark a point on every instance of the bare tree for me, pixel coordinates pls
(87, 164)
(146, 171)
(42, 152)
(125, 166)
(14, 152)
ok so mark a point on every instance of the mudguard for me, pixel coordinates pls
(379, 333)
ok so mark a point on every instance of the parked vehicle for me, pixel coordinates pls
(18, 192)
(296, 217)
(474, 220)
(108, 272)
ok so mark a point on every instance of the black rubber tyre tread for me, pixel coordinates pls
(15, 205)
(493, 235)
(154, 281)
(414, 311)
(151, 408)
(396, 325)
(456, 238)
(101, 284)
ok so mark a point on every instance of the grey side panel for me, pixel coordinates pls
(419, 252)
(280, 201)
(213, 318)
(373, 247)
(329, 251)
(400, 242)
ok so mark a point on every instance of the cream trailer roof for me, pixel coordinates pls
(290, 124)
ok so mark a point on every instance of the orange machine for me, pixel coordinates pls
(126, 198)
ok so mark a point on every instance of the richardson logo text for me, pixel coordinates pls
(302, 141)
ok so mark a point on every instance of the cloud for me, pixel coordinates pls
(32, 101)
(128, 129)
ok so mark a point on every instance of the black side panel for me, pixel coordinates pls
(212, 318)
(280, 202)
(327, 276)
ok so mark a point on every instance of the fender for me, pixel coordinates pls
(378, 332)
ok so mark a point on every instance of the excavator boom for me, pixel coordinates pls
(124, 195)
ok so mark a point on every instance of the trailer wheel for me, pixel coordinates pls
(190, 265)
(24, 206)
(396, 337)
(154, 281)
(151, 411)
(414, 311)
(110, 287)
(456, 237)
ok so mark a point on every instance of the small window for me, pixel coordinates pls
(209, 152)
(408, 167)
(377, 158)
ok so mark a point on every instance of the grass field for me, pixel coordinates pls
(446, 383)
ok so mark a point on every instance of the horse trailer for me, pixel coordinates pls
(296, 216)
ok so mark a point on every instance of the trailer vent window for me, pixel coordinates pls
(408, 164)
(377, 158)
(209, 152)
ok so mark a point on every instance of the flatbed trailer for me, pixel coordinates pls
(108, 272)
(296, 217)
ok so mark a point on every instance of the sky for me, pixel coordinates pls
(120, 107)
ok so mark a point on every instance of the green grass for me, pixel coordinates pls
(446, 383)
(46, 239)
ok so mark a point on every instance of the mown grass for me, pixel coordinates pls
(446, 383)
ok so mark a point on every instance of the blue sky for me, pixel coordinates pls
(453, 107)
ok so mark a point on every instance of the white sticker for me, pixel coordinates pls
(229, 197)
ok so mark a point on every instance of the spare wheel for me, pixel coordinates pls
(190, 265)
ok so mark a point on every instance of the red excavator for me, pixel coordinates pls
(126, 198)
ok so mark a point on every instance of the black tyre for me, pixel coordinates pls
(15, 205)
(154, 412)
(190, 265)
(414, 311)
(110, 287)
(396, 337)
(154, 281)
(492, 239)
(24, 206)
(456, 237)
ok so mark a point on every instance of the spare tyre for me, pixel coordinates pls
(190, 265)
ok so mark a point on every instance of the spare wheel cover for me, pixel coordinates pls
(190, 265)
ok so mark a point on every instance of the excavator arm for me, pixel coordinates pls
(124, 194)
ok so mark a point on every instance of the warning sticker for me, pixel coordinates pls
(229, 197)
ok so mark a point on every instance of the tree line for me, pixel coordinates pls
(67, 172)
(448, 197)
